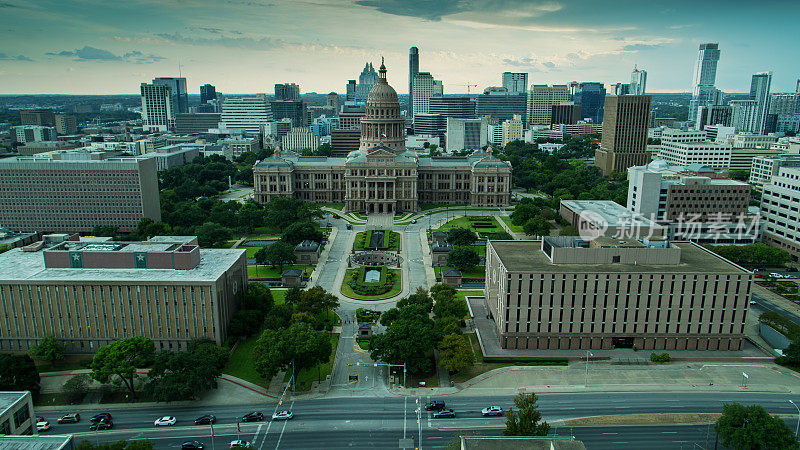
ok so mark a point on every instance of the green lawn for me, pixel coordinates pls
(251, 251)
(240, 364)
(259, 271)
(464, 222)
(511, 226)
(357, 243)
(429, 206)
(307, 376)
(278, 296)
(269, 230)
(337, 206)
(480, 250)
(398, 286)
(476, 272)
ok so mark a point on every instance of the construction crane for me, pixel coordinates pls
(468, 87)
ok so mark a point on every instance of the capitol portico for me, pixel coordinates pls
(382, 176)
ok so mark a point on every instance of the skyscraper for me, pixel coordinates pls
(705, 75)
(515, 82)
(246, 113)
(591, 97)
(158, 112)
(180, 98)
(413, 70)
(423, 91)
(366, 80)
(541, 99)
(287, 91)
(350, 91)
(332, 100)
(759, 91)
(638, 81)
(207, 92)
(624, 141)
(457, 107)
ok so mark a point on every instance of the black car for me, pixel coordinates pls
(69, 418)
(444, 414)
(205, 420)
(255, 416)
(101, 425)
(100, 417)
(192, 445)
(434, 405)
(349, 227)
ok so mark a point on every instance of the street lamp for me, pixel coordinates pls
(586, 380)
(797, 430)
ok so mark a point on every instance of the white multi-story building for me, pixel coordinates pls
(248, 114)
(580, 128)
(535, 133)
(158, 111)
(495, 134)
(515, 82)
(750, 140)
(466, 134)
(34, 133)
(423, 91)
(718, 133)
(780, 203)
(638, 81)
(763, 168)
(681, 148)
(744, 115)
(233, 147)
(541, 99)
(300, 138)
(512, 129)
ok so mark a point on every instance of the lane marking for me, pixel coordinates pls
(291, 407)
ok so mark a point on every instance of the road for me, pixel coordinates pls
(380, 422)
(763, 304)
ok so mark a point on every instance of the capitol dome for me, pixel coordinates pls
(382, 124)
(382, 93)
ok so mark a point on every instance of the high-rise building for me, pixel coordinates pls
(208, 92)
(196, 123)
(624, 141)
(66, 124)
(704, 91)
(413, 70)
(501, 106)
(43, 117)
(638, 81)
(332, 100)
(466, 134)
(541, 99)
(77, 192)
(351, 114)
(287, 91)
(515, 82)
(33, 133)
(423, 91)
(289, 109)
(158, 112)
(344, 141)
(458, 107)
(567, 113)
(366, 80)
(590, 96)
(620, 89)
(681, 148)
(300, 138)
(431, 125)
(248, 114)
(438, 88)
(350, 91)
(759, 91)
(743, 115)
(713, 115)
(512, 130)
(779, 206)
(180, 97)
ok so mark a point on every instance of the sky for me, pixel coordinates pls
(246, 46)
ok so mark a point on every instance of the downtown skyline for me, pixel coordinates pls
(245, 46)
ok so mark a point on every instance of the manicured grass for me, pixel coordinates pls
(511, 226)
(228, 244)
(396, 288)
(240, 363)
(46, 367)
(391, 240)
(259, 271)
(251, 251)
(471, 293)
(363, 343)
(50, 399)
(307, 376)
(464, 222)
(278, 296)
(337, 206)
(480, 250)
(268, 230)
(476, 272)
(429, 206)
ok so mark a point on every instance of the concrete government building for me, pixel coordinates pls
(91, 292)
(567, 293)
(382, 176)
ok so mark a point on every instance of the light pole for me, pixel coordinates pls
(797, 430)
(586, 379)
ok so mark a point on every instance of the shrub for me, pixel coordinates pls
(357, 284)
(784, 326)
(660, 357)
(76, 388)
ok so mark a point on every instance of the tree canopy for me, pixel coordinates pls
(276, 254)
(276, 349)
(455, 352)
(18, 373)
(753, 254)
(460, 236)
(409, 337)
(463, 258)
(525, 420)
(184, 375)
(48, 349)
(118, 361)
(751, 427)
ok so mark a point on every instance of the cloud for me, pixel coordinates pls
(437, 9)
(7, 5)
(264, 43)
(4, 57)
(638, 47)
(88, 53)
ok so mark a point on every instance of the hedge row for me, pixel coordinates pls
(357, 284)
(785, 326)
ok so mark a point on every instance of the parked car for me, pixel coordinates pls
(205, 420)
(100, 417)
(192, 445)
(413, 220)
(282, 415)
(492, 411)
(69, 418)
(166, 421)
(336, 216)
(444, 414)
(753, 302)
(40, 419)
(42, 425)
(101, 425)
(349, 227)
(435, 405)
(239, 443)
(775, 275)
(255, 416)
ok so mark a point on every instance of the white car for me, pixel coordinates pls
(239, 443)
(166, 421)
(42, 425)
(753, 302)
(282, 415)
(775, 275)
(492, 411)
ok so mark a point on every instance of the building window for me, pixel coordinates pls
(21, 415)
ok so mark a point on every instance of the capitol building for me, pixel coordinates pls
(382, 176)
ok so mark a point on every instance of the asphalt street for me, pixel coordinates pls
(765, 305)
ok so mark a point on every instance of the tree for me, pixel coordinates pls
(460, 236)
(455, 353)
(791, 355)
(447, 325)
(119, 361)
(463, 258)
(105, 230)
(409, 339)
(18, 373)
(538, 226)
(49, 349)
(568, 230)
(210, 234)
(442, 290)
(183, 375)
(315, 301)
(301, 231)
(278, 253)
(246, 322)
(120, 445)
(258, 297)
(76, 388)
(420, 298)
(751, 427)
(276, 349)
(147, 228)
(449, 306)
(525, 420)
(325, 149)
(740, 175)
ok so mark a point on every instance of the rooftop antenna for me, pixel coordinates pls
(179, 69)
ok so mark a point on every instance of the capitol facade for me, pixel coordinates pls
(382, 176)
